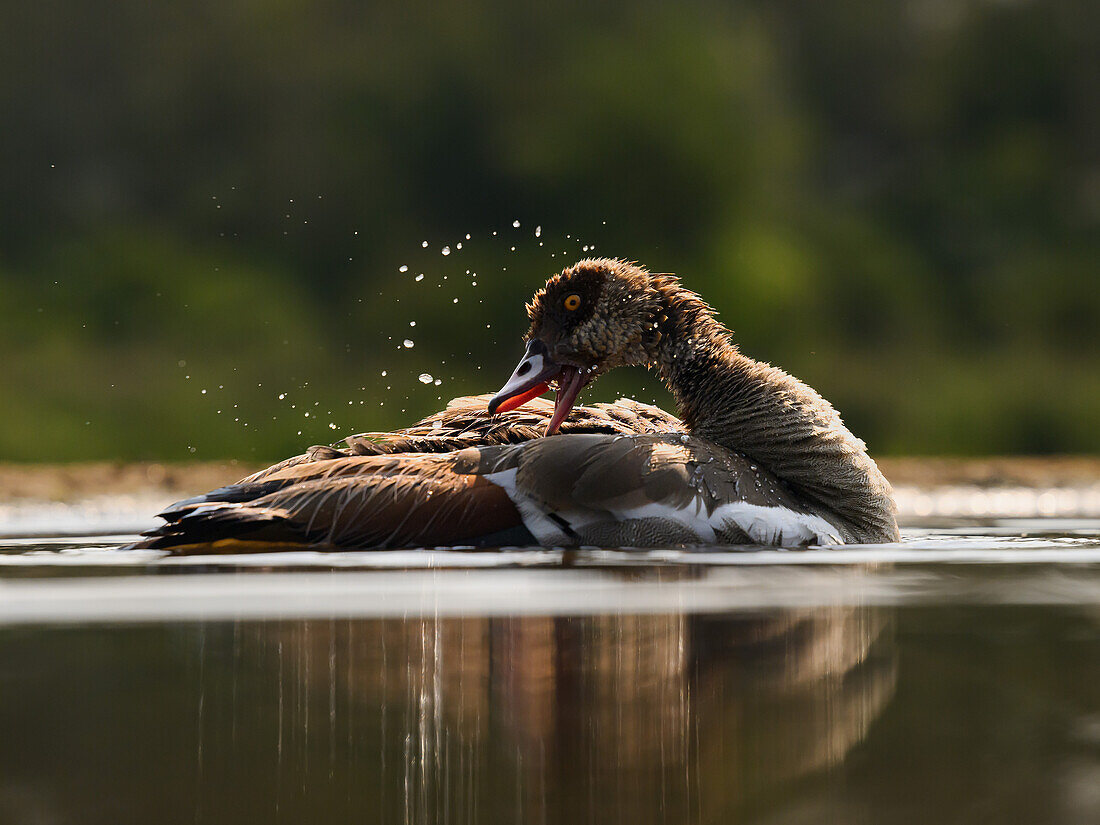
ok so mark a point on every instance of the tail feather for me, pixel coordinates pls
(205, 525)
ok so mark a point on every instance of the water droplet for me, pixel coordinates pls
(445, 250)
(515, 224)
(419, 277)
(424, 244)
(403, 268)
(408, 344)
(425, 378)
(383, 373)
(282, 395)
(458, 245)
(437, 381)
(454, 301)
(412, 323)
(538, 231)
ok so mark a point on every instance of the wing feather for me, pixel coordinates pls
(648, 490)
(361, 501)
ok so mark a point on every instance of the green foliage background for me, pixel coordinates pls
(897, 202)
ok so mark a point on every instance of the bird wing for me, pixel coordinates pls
(649, 490)
(572, 489)
(466, 423)
(405, 500)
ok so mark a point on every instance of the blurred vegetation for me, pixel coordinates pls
(897, 202)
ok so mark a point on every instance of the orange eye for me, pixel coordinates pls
(572, 302)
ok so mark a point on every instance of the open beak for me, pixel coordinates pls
(532, 378)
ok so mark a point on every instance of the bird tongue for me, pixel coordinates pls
(569, 386)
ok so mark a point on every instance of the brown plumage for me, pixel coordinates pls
(756, 456)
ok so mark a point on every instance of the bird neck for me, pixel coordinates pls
(769, 416)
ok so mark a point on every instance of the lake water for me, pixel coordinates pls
(952, 678)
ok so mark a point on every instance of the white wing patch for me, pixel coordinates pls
(535, 519)
(776, 525)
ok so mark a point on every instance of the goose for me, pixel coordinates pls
(755, 457)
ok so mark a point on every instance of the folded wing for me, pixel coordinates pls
(610, 486)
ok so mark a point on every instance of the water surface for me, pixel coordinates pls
(950, 678)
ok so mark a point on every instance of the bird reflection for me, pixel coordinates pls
(601, 718)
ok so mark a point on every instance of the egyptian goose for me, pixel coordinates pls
(756, 457)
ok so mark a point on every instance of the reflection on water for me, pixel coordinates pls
(950, 678)
(659, 718)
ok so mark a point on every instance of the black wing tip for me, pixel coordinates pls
(215, 523)
(238, 493)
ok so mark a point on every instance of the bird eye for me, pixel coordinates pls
(572, 302)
